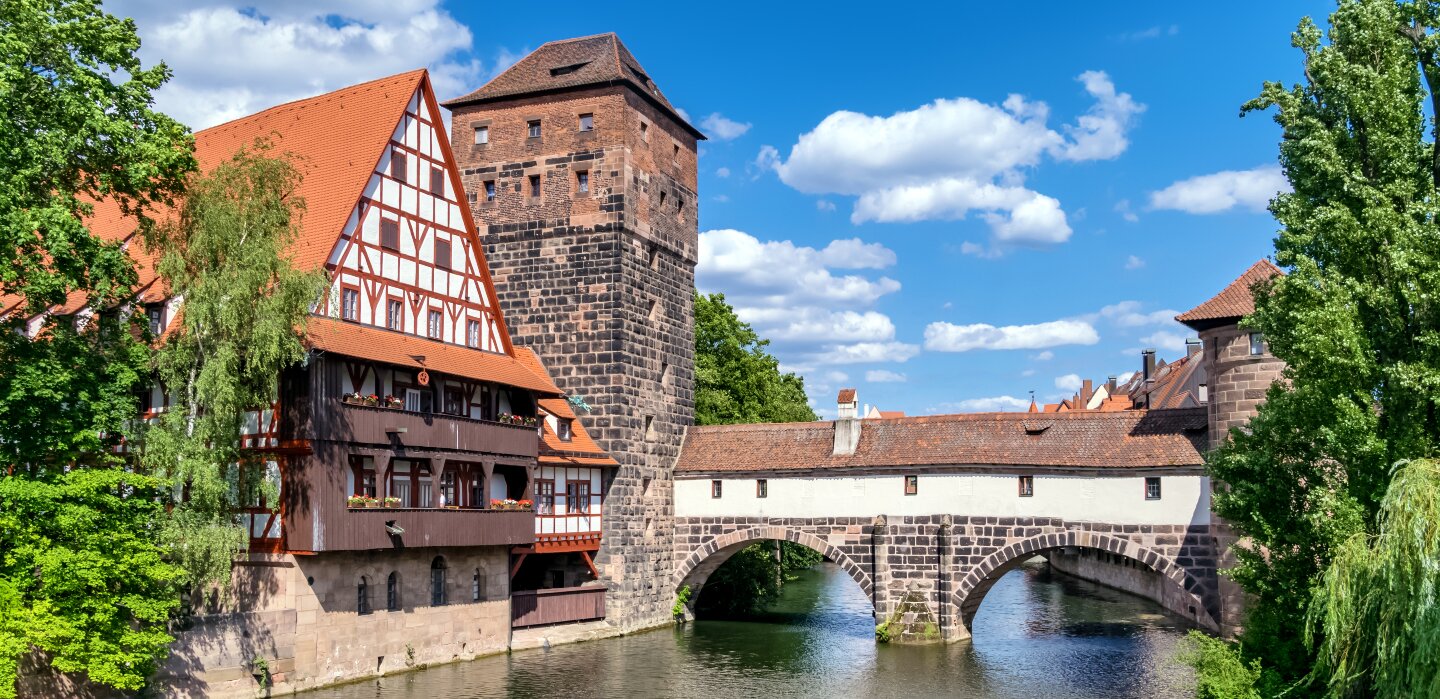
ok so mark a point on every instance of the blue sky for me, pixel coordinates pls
(945, 208)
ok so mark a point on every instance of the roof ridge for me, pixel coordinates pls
(324, 96)
(580, 38)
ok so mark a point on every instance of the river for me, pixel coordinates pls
(1036, 635)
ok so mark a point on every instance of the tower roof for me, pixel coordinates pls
(571, 64)
(1233, 302)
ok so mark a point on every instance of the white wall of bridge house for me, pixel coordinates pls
(1113, 499)
(410, 273)
(300, 613)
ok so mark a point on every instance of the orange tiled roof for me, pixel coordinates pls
(1234, 301)
(1081, 439)
(847, 395)
(368, 342)
(892, 413)
(581, 450)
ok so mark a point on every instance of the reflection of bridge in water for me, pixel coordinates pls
(925, 514)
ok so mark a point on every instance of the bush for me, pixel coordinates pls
(1220, 671)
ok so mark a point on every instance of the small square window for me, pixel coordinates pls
(535, 185)
(389, 234)
(394, 315)
(587, 122)
(1027, 486)
(437, 181)
(582, 181)
(490, 190)
(1152, 487)
(715, 489)
(472, 333)
(442, 254)
(397, 165)
(1257, 344)
(435, 324)
(482, 135)
(762, 488)
(912, 485)
(534, 128)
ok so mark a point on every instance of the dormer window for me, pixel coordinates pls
(534, 128)
(562, 430)
(587, 122)
(155, 314)
(566, 70)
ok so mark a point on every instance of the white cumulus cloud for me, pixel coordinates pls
(983, 405)
(948, 337)
(1068, 382)
(718, 127)
(1222, 191)
(954, 157)
(1133, 262)
(884, 376)
(232, 59)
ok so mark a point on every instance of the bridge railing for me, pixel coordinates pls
(559, 605)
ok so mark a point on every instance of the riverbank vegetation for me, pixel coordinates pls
(738, 381)
(1333, 529)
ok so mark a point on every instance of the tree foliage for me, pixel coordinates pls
(736, 380)
(1356, 318)
(227, 256)
(77, 128)
(1378, 609)
(751, 579)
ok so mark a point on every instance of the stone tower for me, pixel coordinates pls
(1238, 363)
(582, 180)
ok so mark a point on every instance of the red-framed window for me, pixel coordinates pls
(545, 497)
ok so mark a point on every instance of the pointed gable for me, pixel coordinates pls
(1233, 302)
(558, 66)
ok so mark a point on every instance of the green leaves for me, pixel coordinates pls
(736, 380)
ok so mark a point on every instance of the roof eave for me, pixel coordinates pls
(626, 82)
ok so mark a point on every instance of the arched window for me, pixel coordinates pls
(392, 592)
(477, 587)
(362, 601)
(437, 581)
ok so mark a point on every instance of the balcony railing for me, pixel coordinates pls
(396, 527)
(338, 420)
(559, 605)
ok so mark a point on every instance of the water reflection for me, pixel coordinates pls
(1036, 635)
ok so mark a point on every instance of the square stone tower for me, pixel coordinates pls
(582, 180)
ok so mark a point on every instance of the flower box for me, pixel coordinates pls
(392, 502)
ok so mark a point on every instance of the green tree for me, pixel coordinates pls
(736, 380)
(245, 308)
(81, 576)
(1378, 609)
(1356, 319)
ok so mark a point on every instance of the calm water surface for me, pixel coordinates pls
(1036, 635)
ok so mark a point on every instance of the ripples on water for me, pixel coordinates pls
(1035, 636)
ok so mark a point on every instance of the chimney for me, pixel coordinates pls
(1192, 346)
(1087, 391)
(1112, 384)
(847, 426)
(1147, 363)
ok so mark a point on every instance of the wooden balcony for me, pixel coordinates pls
(334, 419)
(560, 605)
(358, 529)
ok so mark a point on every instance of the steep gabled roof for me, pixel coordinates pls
(581, 450)
(1076, 439)
(1233, 302)
(571, 64)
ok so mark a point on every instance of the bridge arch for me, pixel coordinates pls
(706, 559)
(1178, 582)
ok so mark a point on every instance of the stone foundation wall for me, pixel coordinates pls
(300, 614)
(951, 561)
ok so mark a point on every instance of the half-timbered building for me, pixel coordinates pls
(422, 459)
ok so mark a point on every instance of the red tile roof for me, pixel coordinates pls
(847, 395)
(586, 61)
(1234, 301)
(376, 344)
(581, 450)
(1082, 439)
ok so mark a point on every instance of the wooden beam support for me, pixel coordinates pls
(586, 555)
(516, 568)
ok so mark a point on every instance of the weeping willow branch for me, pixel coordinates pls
(1376, 616)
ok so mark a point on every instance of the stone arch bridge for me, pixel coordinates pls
(926, 514)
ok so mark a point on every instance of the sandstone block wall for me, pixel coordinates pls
(1237, 379)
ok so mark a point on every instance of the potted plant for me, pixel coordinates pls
(372, 400)
(393, 402)
(353, 398)
(524, 504)
(503, 417)
(355, 501)
(371, 502)
(392, 501)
